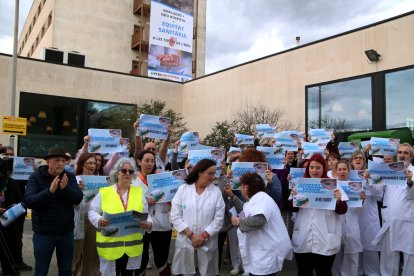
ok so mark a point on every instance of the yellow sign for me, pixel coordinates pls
(14, 125)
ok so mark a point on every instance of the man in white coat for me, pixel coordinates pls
(396, 234)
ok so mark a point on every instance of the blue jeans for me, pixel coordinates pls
(44, 246)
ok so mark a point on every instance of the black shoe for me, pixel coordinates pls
(23, 267)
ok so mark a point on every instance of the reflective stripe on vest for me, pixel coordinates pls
(113, 248)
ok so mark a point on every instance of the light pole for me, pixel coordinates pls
(14, 69)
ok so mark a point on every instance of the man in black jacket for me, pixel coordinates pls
(51, 193)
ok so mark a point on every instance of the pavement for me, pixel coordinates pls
(289, 268)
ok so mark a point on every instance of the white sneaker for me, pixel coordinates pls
(246, 274)
(235, 271)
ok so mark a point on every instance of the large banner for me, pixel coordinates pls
(171, 40)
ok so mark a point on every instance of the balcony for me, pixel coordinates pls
(142, 7)
(138, 42)
(139, 68)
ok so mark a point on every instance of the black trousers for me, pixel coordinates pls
(308, 262)
(8, 247)
(160, 242)
(120, 266)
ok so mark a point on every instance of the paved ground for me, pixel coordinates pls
(289, 266)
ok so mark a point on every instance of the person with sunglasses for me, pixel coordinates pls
(85, 257)
(119, 255)
(396, 234)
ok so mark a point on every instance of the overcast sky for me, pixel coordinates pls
(241, 30)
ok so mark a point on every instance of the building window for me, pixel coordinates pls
(55, 121)
(399, 98)
(342, 106)
(112, 115)
(46, 115)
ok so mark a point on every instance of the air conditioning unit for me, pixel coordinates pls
(53, 55)
(76, 59)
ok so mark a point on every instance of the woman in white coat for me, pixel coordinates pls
(369, 224)
(263, 238)
(347, 260)
(197, 214)
(316, 237)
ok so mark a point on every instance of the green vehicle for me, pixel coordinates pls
(404, 134)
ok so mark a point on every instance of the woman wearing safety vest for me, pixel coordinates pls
(119, 255)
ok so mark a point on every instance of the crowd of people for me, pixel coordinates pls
(259, 221)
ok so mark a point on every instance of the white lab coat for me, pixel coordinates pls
(317, 231)
(398, 217)
(369, 223)
(264, 250)
(204, 212)
(351, 238)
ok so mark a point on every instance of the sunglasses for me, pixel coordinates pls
(90, 163)
(125, 171)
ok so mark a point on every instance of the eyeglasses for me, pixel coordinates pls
(403, 152)
(125, 171)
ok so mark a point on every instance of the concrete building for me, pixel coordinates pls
(110, 34)
(332, 77)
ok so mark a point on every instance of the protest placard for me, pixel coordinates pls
(153, 126)
(315, 193)
(163, 186)
(104, 140)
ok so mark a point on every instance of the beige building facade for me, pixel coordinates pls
(284, 80)
(111, 34)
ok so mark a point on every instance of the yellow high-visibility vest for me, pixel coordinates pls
(113, 248)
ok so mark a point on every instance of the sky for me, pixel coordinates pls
(238, 31)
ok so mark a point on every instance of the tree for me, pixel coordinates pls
(328, 122)
(244, 120)
(247, 117)
(222, 135)
(157, 108)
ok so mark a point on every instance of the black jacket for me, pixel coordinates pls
(51, 213)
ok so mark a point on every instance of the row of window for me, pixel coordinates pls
(46, 25)
(358, 104)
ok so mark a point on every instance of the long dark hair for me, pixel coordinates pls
(200, 167)
(81, 162)
(99, 170)
(255, 183)
(141, 156)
